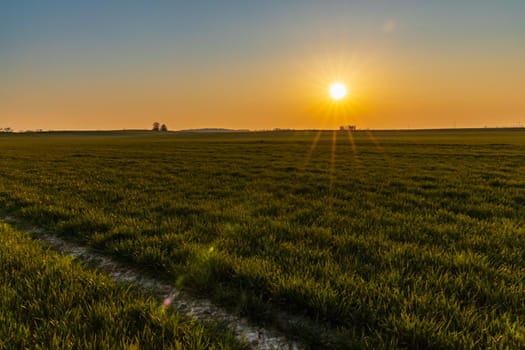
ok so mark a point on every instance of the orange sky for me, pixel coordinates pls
(262, 66)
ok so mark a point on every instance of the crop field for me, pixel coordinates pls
(47, 302)
(408, 239)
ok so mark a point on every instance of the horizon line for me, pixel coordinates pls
(241, 130)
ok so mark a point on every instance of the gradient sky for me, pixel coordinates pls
(261, 64)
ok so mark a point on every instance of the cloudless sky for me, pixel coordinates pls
(261, 64)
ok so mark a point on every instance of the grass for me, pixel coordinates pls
(379, 239)
(49, 302)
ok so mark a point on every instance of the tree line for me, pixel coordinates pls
(158, 127)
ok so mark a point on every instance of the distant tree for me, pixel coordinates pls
(156, 126)
(164, 128)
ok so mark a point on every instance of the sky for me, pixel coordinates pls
(256, 64)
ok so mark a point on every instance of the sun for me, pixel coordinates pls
(337, 90)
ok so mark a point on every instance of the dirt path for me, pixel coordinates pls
(168, 295)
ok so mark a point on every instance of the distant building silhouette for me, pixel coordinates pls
(348, 128)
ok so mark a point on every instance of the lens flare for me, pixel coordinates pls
(167, 302)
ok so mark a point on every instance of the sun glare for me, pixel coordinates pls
(337, 90)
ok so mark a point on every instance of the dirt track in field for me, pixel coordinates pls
(168, 296)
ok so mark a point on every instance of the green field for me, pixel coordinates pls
(412, 239)
(48, 302)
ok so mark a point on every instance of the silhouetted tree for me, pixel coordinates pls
(164, 128)
(156, 126)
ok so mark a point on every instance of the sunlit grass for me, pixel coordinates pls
(49, 302)
(380, 239)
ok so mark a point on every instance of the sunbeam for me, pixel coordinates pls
(311, 151)
(357, 160)
(332, 170)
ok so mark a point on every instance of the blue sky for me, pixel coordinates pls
(253, 63)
